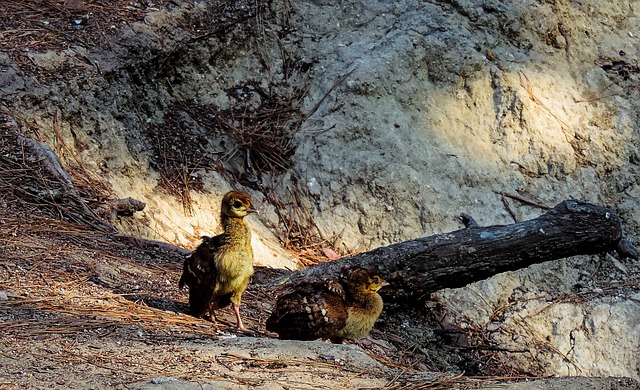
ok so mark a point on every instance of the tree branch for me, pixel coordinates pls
(419, 267)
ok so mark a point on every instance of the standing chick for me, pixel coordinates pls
(220, 268)
(335, 310)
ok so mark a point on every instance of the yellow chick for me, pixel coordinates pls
(220, 268)
(335, 310)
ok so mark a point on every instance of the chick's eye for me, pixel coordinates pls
(237, 204)
(376, 280)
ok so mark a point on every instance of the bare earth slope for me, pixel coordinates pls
(353, 124)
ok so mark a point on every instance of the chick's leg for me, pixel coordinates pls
(236, 311)
(235, 303)
(213, 318)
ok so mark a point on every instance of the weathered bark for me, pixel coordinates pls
(419, 267)
(48, 183)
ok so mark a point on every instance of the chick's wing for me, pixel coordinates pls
(309, 312)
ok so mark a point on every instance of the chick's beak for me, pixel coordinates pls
(252, 209)
(377, 287)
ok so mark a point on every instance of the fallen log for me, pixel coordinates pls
(419, 267)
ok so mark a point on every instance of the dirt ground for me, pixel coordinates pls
(88, 308)
(174, 102)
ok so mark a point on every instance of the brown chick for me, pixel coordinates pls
(335, 310)
(220, 268)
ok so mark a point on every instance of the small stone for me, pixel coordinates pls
(314, 186)
(618, 264)
(161, 380)
(3, 296)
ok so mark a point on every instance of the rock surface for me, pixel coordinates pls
(442, 104)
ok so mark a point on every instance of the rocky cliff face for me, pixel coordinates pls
(451, 101)
(383, 121)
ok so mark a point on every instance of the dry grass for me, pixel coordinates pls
(487, 340)
(299, 233)
(265, 132)
(29, 26)
(259, 126)
(54, 24)
(59, 271)
(262, 120)
(66, 276)
(73, 312)
(48, 230)
(35, 180)
(68, 281)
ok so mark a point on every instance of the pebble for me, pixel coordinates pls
(161, 380)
